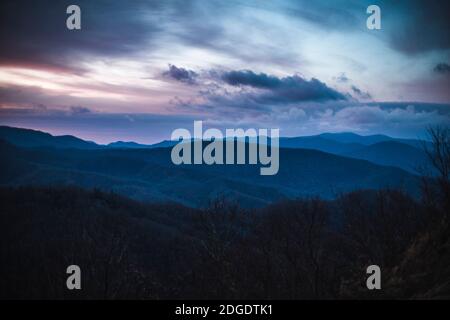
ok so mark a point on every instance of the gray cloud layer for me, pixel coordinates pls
(417, 26)
(409, 26)
(33, 32)
(396, 119)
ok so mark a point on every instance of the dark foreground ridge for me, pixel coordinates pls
(289, 250)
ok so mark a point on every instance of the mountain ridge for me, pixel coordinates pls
(374, 148)
(149, 174)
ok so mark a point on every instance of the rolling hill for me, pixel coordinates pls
(392, 153)
(149, 174)
(34, 138)
(406, 154)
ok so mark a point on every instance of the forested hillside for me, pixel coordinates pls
(292, 249)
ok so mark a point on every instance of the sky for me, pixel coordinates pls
(139, 69)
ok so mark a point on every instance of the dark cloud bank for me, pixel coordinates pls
(283, 90)
(409, 26)
(442, 68)
(269, 89)
(34, 33)
(180, 74)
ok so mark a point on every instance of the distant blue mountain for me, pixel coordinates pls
(349, 137)
(34, 138)
(164, 144)
(319, 143)
(380, 149)
(393, 153)
(134, 145)
(148, 174)
(407, 154)
(127, 144)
